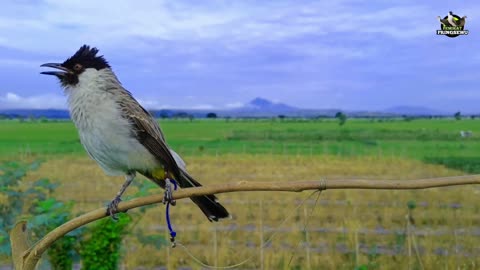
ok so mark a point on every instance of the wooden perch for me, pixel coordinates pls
(26, 257)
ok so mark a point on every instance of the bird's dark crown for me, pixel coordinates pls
(87, 58)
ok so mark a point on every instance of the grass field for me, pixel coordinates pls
(410, 139)
(345, 228)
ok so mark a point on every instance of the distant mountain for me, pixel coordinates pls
(414, 110)
(258, 107)
(265, 105)
(37, 113)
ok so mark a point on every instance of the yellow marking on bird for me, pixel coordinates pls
(158, 173)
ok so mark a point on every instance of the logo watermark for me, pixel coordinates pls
(452, 25)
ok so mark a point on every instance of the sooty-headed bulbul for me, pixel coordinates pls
(117, 132)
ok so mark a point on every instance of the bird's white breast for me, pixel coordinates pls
(104, 133)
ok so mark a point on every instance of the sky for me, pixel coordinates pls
(345, 54)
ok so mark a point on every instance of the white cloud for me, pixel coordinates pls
(234, 105)
(12, 97)
(49, 101)
(153, 104)
(12, 100)
(60, 25)
(201, 107)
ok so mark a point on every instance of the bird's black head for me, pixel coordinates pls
(83, 59)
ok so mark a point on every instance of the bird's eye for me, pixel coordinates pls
(78, 67)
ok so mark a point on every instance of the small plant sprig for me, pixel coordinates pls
(101, 250)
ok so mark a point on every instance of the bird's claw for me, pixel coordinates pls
(112, 208)
(168, 196)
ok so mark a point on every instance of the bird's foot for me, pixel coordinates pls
(112, 208)
(168, 197)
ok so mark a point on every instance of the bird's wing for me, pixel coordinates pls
(180, 162)
(147, 132)
(442, 21)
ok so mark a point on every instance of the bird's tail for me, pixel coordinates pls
(208, 204)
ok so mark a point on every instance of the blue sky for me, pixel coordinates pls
(220, 54)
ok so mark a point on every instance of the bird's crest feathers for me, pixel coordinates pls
(87, 56)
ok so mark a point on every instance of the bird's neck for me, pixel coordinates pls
(94, 95)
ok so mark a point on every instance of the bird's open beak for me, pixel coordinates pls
(61, 73)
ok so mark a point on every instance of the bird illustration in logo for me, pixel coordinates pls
(452, 20)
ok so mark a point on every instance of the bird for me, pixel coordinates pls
(451, 19)
(118, 133)
(455, 21)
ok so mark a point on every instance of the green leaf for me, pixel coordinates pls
(411, 205)
(47, 204)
